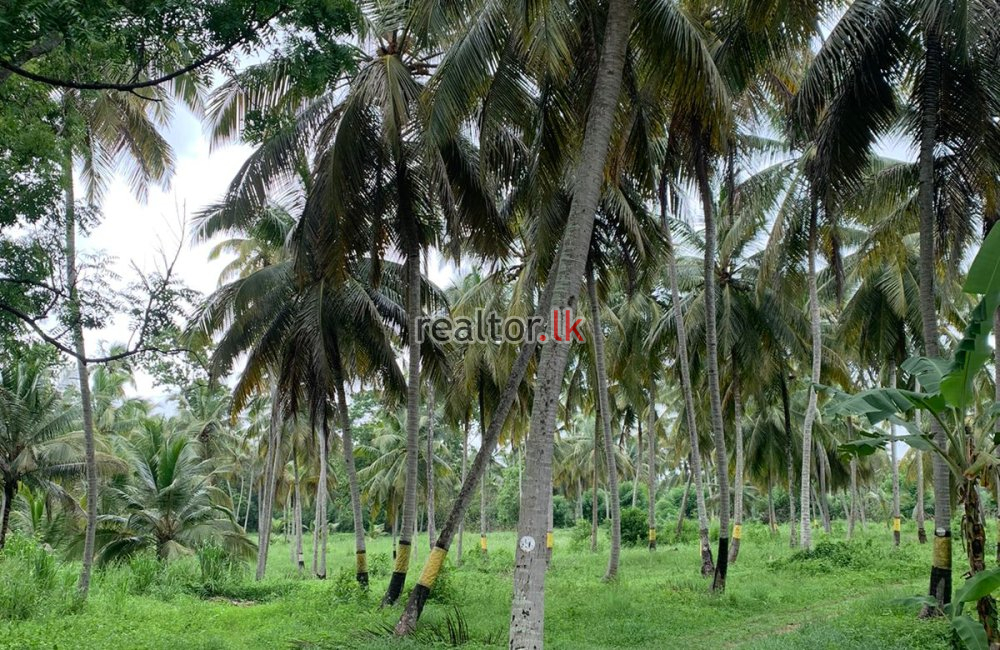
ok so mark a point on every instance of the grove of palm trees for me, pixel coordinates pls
(578, 324)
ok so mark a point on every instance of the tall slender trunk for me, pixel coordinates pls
(480, 465)
(940, 579)
(239, 499)
(594, 484)
(894, 461)
(297, 513)
(772, 520)
(83, 372)
(707, 564)
(790, 463)
(638, 463)
(805, 529)
(429, 467)
(269, 475)
(921, 532)
(651, 474)
(824, 489)
(429, 460)
(347, 444)
(607, 441)
(854, 498)
(528, 604)
(320, 526)
(684, 503)
(246, 515)
(465, 462)
(712, 352)
(406, 535)
(483, 527)
(734, 550)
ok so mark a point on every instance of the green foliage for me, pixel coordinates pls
(635, 526)
(31, 582)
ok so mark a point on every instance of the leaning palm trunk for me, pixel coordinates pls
(477, 474)
(854, 498)
(605, 428)
(940, 582)
(651, 476)
(712, 351)
(83, 375)
(805, 529)
(402, 564)
(734, 550)
(684, 504)
(707, 565)
(528, 604)
(593, 483)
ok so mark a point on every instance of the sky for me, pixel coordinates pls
(134, 232)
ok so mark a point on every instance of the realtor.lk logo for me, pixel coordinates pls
(483, 327)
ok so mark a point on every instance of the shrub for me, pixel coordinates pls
(634, 526)
(30, 581)
(562, 512)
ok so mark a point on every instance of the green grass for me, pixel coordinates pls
(833, 597)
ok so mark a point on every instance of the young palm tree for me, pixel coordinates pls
(37, 442)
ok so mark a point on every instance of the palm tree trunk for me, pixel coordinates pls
(594, 484)
(83, 374)
(824, 502)
(651, 473)
(465, 461)
(268, 480)
(638, 463)
(607, 442)
(712, 351)
(320, 526)
(528, 606)
(480, 465)
(790, 463)
(9, 490)
(429, 466)
(239, 499)
(297, 513)
(707, 564)
(805, 529)
(854, 498)
(734, 550)
(940, 581)
(246, 515)
(921, 533)
(772, 520)
(894, 460)
(412, 422)
(347, 438)
(684, 503)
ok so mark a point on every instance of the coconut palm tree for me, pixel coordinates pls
(38, 443)
(169, 503)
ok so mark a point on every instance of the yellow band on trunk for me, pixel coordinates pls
(895, 524)
(362, 562)
(482, 542)
(652, 534)
(548, 540)
(402, 558)
(432, 567)
(737, 531)
(942, 552)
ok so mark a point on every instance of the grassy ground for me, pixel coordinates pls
(840, 596)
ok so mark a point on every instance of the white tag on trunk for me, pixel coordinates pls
(527, 544)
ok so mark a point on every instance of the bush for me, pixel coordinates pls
(641, 498)
(562, 512)
(634, 526)
(31, 583)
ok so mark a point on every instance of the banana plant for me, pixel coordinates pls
(945, 389)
